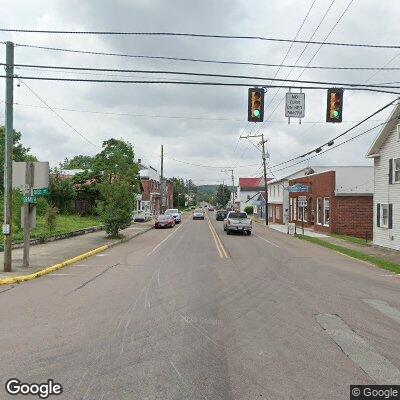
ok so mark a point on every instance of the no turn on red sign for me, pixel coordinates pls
(295, 105)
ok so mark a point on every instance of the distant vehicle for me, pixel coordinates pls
(220, 215)
(141, 216)
(237, 221)
(210, 208)
(164, 221)
(192, 207)
(174, 212)
(198, 214)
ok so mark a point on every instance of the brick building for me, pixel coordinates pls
(338, 201)
(150, 198)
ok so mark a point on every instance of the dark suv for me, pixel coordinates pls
(221, 215)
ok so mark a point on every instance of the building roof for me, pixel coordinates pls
(385, 132)
(250, 182)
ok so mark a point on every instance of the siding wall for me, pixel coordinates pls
(385, 193)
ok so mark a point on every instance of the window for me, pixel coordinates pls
(277, 213)
(319, 211)
(278, 190)
(291, 209)
(398, 131)
(294, 208)
(396, 167)
(384, 215)
(326, 211)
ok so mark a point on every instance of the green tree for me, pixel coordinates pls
(179, 192)
(249, 210)
(61, 192)
(223, 195)
(115, 167)
(116, 162)
(116, 207)
(78, 162)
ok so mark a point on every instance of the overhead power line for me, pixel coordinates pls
(198, 35)
(58, 115)
(331, 141)
(208, 75)
(210, 61)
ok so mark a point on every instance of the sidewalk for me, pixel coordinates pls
(48, 254)
(283, 229)
(391, 256)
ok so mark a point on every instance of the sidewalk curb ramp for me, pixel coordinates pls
(53, 268)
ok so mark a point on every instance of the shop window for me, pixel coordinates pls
(319, 211)
(326, 211)
(294, 209)
(277, 213)
(291, 209)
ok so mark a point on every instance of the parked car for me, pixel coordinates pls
(141, 216)
(164, 221)
(175, 213)
(220, 215)
(198, 214)
(237, 221)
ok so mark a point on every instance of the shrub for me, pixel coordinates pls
(51, 218)
(62, 193)
(249, 210)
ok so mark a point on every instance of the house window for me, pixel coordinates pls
(326, 211)
(294, 208)
(384, 215)
(319, 211)
(396, 165)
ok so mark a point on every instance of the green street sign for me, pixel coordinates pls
(30, 200)
(40, 192)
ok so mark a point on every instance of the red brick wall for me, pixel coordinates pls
(146, 189)
(349, 215)
(354, 216)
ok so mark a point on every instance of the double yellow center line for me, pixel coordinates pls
(220, 247)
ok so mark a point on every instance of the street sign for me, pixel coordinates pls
(30, 200)
(298, 188)
(295, 105)
(40, 192)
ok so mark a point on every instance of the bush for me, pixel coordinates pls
(51, 218)
(41, 206)
(62, 193)
(116, 207)
(249, 210)
(17, 203)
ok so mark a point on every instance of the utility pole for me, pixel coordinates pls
(162, 194)
(263, 141)
(233, 185)
(8, 147)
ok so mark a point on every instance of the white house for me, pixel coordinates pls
(247, 190)
(386, 154)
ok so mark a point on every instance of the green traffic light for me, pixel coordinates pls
(256, 113)
(335, 114)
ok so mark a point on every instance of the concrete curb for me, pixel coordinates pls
(61, 236)
(53, 268)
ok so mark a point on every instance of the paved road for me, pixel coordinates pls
(185, 314)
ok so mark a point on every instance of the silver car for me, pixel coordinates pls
(198, 214)
(175, 213)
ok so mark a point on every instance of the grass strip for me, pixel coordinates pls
(351, 239)
(379, 262)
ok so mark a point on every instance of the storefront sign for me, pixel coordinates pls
(299, 188)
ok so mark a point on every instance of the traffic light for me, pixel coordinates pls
(334, 105)
(256, 105)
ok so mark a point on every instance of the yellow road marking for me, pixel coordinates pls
(220, 247)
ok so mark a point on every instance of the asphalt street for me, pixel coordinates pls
(192, 313)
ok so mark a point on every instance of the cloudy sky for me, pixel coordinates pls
(210, 118)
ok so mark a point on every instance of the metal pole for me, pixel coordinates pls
(27, 212)
(302, 220)
(8, 147)
(162, 180)
(265, 179)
